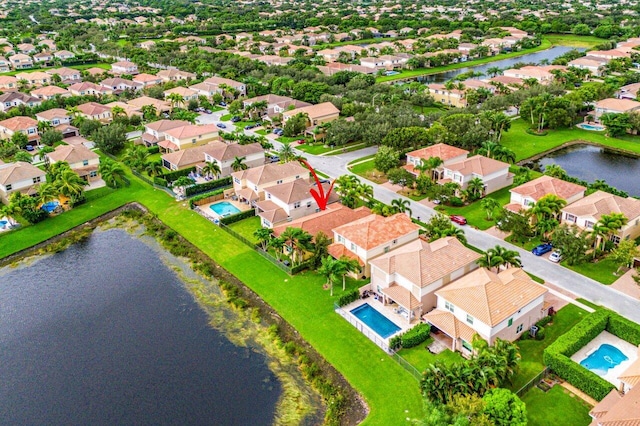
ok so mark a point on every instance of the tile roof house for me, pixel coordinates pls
(324, 221)
(87, 88)
(493, 305)
(540, 73)
(225, 153)
(447, 153)
(13, 99)
(5, 65)
(615, 106)
(369, 237)
(586, 212)
(592, 63)
(161, 106)
(36, 78)
(8, 83)
(410, 275)
(525, 195)
(186, 93)
(118, 85)
(630, 91)
(55, 116)
(64, 55)
(188, 136)
(494, 174)
(26, 125)
(21, 61)
(82, 160)
(184, 158)
(321, 113)
(42, 57)
(289, 201)
(124, 67)
(154, 131)
(95, 111)
(249, 184)
(19, 177)
(174, 74)
(454, 97)
(276, 104)
(147, 79)
(49, 92)
(212, 85)
(67, 75)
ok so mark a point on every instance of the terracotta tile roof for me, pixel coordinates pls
(448, 323)
(84, 86)
(402, 296)
(182, 91)
(220, 80)
(631, 376)
(441, 150)
(93, 108)
(606, 404)
(375, 230)
(11, 173)
(492, 297)
(621, 105)
(227, 151)
(123, 64)
(75, 140)
(145, 78)
(271, 173)
(18, 123)
(72, 154)
(624, 412)
(185, 157)
(545, 185)
(506, 80)
(6, 79)
(166, 144)
(324, 221)
(422, 263)
(297, 190)
(50, 91)
(478, 164)
(163, 125)
(314, 111)
(63, 72)
(13, 96)
(600, 203)
(276, 215)
(146, 100)
(339, 251)
(191, 130)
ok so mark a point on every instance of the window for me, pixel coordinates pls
(308, 204)
(469, 319)
(510, 323)
(8, 187)
(394, 241)
(449, 306)
(278, 182)
(589, 224)
(570, 218)
(386, 249)
(85, 162)
(268, 196)
(519, 328)
(36, 179)
(93, 174)
(353, 247)
(467, 345)
(236, 180)
(296, 204)
(340, 239)
(193, 141)
(615, 239)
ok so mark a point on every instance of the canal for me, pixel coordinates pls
(104, 333)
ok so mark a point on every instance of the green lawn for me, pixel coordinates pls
(601, 271)
(226, 117)
(316, 149)
(556, 407)
(526, 145)
(573, 40)
(420, 357)
(429, 71)
(102, 65)
(287, 139)
(368, 157)
(391, 393)
(246, 227)
(263, 132)
(529, 243)
(531, 350)
(368, 170)
(475, 214)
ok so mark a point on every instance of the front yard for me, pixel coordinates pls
(368, 170)
(602, 271)
(474, 213)
(555, 407)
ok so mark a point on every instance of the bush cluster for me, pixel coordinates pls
(171, 176)
(238, 217)
(153, 150)
(412, 337)
(192, 201)
(349, 297)
(207, 186)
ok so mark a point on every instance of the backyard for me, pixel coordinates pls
(557, 406)
(420, 357)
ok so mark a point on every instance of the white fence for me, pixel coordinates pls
(364, 329)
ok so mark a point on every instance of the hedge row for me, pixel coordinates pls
(208, 186)
(412, 337)
(153, 149)
(349, 297)
(301, 267)
(171, 176)
(192, 201)
(160, 181)
(624, 329)
(238, 217)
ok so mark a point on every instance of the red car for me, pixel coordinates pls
(460, 220)
(301, 141)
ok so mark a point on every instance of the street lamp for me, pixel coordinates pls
(373, 99)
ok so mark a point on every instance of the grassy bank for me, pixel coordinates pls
(573, 40)
(102, 65)
(429, 71)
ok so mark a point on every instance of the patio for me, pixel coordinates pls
(206, 208)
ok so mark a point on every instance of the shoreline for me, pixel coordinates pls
(577, 142)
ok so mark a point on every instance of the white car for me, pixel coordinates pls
(555, 257)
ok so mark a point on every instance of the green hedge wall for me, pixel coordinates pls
(624, 329)
(171, 176)
(192, 201)
(349, 297)
(238, 217)
(208, 186)
(416, 335)
(153, 149)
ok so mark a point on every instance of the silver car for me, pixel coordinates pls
(555, 257)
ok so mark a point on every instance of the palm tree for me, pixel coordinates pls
(111, 172)
(493, 71)
(136, 157)
(153, 168)
(149, 112)
(10, 210)
(176, 99)
(548, 207)
(70, 184)
(331, 269)
(289, 237)
(43, 154)
(401, 206)
(276, 244)
(286, 153)
(118, 111)
(499, 256)
(47, 192)
(264, 235)
(183, 182)
(238, 164)
(212, 168)
(348, 265)
(427, 166)
(43, 126)
(489, 205)
(609, 224)
(475, 187)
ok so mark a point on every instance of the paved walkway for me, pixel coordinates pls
(627, 284)
(586, 398)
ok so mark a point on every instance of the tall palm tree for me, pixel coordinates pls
(348, 265)
(212, 168)
(499, 256)
(289, 237)
(548, 207)
(149, 112)
(43, 126)
(264, 235)
(136, 157)
(70, 184)
(331, 269)
(401, 206)
(475, 187)
(153, 168)
(111, 172)
(489, 205)
(117, 111)
(286, 153)
(238, 164)
(276, 244)
(47, 192)
(609, 224)
(176, 99)
(429, 165)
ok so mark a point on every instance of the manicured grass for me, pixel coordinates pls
(474, 213)
(420, 357)
(556, 407)
(391, 393)
(525, 145)
(368, 170)
(429, 71)
(368, 157)
(241, 124)
(588, 303)
(316, 149)
(215, 108)
(573, 40)
(226, 117)
(601, 271)
(529, 243)
(102, 65)
(287, 139)
(531, 350)
(262, 132)
(247, 227)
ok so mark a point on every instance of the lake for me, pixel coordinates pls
(589, 163)
(104, 333)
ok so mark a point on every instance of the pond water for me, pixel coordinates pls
(536, 57)
(589, 163)
(105, 333)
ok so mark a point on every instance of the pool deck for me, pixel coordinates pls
(625, 347)
(387, 311)
(206, 208)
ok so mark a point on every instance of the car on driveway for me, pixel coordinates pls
(460, 220)
(555, 257)
(235, 119)
(542, 249)
(300, 141)
(208, 111)
(221, 125)
(274, 159)
(249, 127)
(223, 104)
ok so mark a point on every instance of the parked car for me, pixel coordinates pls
(29, 148)
(460, 220)
(278, 131)
(208, 111)
(199, 109)
(221, 125)
(555, 257)
(542, 249)
(249, 127)
(301, 141)
(274, 159)
(223, 104)
(235, 119)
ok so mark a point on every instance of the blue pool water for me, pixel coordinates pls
(375, 320)
(596, 127)
(224, 208)
(604, 358)
(50, 206)
(2, 223)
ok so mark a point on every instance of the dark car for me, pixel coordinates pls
(221, 125)
(223, 104)
(208, 111)
(460, 220)
(248, 127)
(235, 119)
(542, 249)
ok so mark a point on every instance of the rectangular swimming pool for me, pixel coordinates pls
(224, 208)
(375, 320)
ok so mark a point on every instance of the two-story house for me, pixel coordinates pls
(492, 305)
(95, 111)
(36, 78)
(67, 75)
(19, 177)
(141, 101)
(49, 92)
(21, 124)
(614, 106)
(82, 160)
(369, 237)
(118, 85)
(527, 194)
(324, 112)
(493, 173)
(593, 64)
(147, 79)
(223, 86)
(8, 83)
(13, 99)
(452, 97)
(21, 61)
(87, 88)
(154, 131)
(324, 221)
(447, 153)
(289, 201)
(186, 93)
(276, 104)
(55, 116)
(188, 136)
(174, 74)
(249, 185)
(587, 211)
(224, 154)
(124, 67)
(410, 274)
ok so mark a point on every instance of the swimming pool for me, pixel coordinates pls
(3, 223)
(375, 320)
(224, 208)
(605, 357)
(595, 127)
(50, 206)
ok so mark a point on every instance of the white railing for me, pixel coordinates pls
(364, 329)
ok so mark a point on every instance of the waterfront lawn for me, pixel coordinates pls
(573, 40)
(246, 227)
(603, 271)
(420, 357)
(558, 406)
(531, 350)
(474, 213)
(526, 145)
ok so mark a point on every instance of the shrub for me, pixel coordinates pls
(455, 202)
(160, 181)
(349, 297)
(207, 186)
(540, 334)
(624, 329)
(153, 150)
(395, 342)
(238, 217)
(192, 201)
(544, 321)
(301, 267)
(416, 335)
(171, 176)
